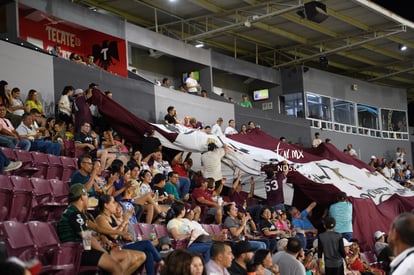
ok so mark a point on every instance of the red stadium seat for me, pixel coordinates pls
(55, 169)
(43, 205)
(6, 196)
(22, 199)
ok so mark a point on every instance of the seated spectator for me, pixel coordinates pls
(76, 58)
(145, 188)
(171, 116)
(243, 255)
(87, 140)
(182, 89)
(15, 266)
(9, 136)
(33, 102)
(268, 226)
(181, 167)
(27, 131)
(207, 129)
(70, 227)
(263, 258)
(106, 219)
(86, 173)
(203, 93)
(6, 165)
(221, 258)
(302, 225)
(17, 106)
(158, 164)
(237, 227)
(251, 126)
(357, 262)
(186, 122)
(111, 141)
(231, 129)
(195, 124)
(181, 228)
(158, 184)
(90, 62)
(243, 129)
(202, 196)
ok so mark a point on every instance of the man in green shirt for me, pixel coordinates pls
(171, 186)
(73, 221)
(245, 102)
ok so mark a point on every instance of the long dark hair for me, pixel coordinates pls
(103, 199)
(4, 98)
(174, 211)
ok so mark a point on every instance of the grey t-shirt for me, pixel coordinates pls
(288, 264)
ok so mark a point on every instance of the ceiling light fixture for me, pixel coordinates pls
(402, 47)
(199, 45)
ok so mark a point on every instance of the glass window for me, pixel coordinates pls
(319, 107)
(292, 105)
(393, 120)
(367, 116)
(343, 112)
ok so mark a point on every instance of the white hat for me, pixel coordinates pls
(78, 91)
(373, 157)
(346, 242)
(378, 234)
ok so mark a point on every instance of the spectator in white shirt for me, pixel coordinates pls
(231, 129)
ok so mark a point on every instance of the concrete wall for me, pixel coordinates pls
(27, 70)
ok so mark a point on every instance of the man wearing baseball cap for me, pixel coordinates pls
(383, 251)
(243, 255)
(73, 221)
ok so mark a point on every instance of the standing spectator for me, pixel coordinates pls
(65, 105)
(382, 250)
(231, 129)
(216, 129)
(237, 195)
(317, 140)
(401, 238)
(400, 153)
(245, 102)
(388, 171)
(287, 260)
(165, 82)
(221, 258)
(192, 84)
(274, 182)
(302, 224)
(82, 111)
(331, 247)
(211, 161)
(341, 211)
(243, 253)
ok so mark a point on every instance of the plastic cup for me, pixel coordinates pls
(152, 236)
(87, 239)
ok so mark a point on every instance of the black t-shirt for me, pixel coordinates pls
(169, 118)
(84, 138)
(236, 269)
